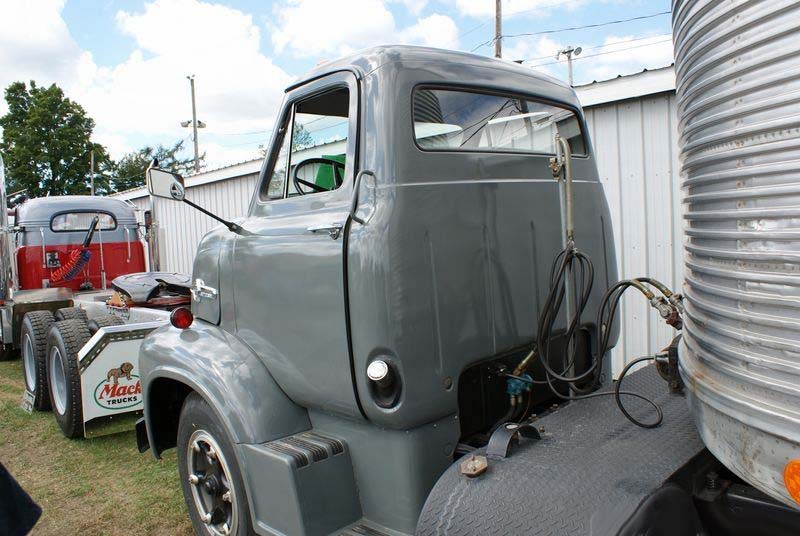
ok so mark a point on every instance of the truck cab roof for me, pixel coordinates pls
(444, 64)
(41, 210)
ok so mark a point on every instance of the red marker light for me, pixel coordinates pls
(181, 317)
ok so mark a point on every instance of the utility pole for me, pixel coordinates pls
(569, 52)
(194, 127)
(498, 29)
(92, 168)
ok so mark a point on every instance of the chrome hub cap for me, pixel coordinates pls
(30, 363)
(211, 485)
(58, 381)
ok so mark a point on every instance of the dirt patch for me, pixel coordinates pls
(87, 486)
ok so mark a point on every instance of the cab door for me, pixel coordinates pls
(288, 263)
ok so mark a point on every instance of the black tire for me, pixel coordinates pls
(67, 337)
(71, 313)
(198, 418)
(104, 321)
(33, 346)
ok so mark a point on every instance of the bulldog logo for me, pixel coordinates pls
(123, 370)
(120, 389)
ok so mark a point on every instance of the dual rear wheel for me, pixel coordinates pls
(33, 343)
(50, 344)
(64, 341)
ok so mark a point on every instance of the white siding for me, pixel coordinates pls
(635, 144)
(183, 227)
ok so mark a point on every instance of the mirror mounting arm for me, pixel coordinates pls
(233, 227)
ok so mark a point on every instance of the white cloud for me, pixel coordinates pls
(318, 27)
(321, 28)
(237, 87)
(617, 55)
(434, 31)
(626, 55)
(536, 49)
(35, 44)
(485, 8)
(218, 155)
(147, 96)
(414, 6)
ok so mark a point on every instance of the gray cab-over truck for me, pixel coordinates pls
(399, 336)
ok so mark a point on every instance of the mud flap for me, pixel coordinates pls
(142, 443)
(111, 393)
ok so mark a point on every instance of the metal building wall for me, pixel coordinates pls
(183, 227)
(636, 145)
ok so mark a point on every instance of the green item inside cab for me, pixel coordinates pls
(324, 176)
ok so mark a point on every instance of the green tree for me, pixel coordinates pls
(130, 170)
(301, 138)
(47, 143)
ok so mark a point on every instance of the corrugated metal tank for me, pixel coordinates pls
(738, 78)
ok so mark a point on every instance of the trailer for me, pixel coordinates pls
(76, 304)
(87, 351)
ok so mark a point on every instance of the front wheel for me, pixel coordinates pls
(210, 477)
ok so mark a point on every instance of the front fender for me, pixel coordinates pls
(227, 374)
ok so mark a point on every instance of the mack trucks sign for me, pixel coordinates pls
(109, 366)
(121, 389)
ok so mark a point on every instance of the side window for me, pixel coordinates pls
(461, 120)
(319, 142)
(277, 179)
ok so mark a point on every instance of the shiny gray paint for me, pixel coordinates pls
(737, 68)
(450, 268)
(454, 263)
(456, 253)
(227, 374)
(206, 268)
(289, 283)
(394, 469)
(294, 502)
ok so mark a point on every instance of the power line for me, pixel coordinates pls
(594, 47)
(513, 13)
(603, 53)
(559, 30)
(253, 133)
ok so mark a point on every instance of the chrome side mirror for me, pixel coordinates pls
(162, 183)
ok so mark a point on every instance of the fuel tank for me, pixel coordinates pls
(738, 88)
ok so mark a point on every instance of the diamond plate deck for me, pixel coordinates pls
(587, 474)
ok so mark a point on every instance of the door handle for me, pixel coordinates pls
(333, 229)
(200, 291)
(356, 190)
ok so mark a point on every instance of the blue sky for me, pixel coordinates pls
(126, 61)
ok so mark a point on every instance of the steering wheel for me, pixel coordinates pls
(338, 175)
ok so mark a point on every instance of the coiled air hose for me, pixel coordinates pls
(78, 258)
(572, 262)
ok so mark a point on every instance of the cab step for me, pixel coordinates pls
(362, 529)
(311, 491)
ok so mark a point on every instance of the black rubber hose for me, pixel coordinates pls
(582, 270)
(617, 392)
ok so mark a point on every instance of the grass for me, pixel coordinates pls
(86, 486)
